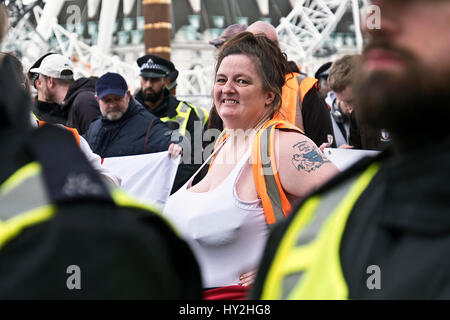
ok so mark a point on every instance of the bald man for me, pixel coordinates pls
(302, 104)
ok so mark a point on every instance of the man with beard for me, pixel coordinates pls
(178, 115)
(125, 127)
(57, 87)
(380, 230)
(42, 110)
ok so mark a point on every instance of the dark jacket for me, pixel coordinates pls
(121, 252)
(128, 135)
(316, 118)
(365, 136)
(49, 112)
(400, 223)
(167, 108)
(80, 104)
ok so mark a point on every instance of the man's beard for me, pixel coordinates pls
(152, 96)
(48, 96)
(413, 105)
(113, 115)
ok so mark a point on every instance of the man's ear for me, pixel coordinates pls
(96, 97)
(166, 82)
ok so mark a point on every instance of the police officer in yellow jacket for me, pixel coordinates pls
(63, 233)
(380, 230)
(158, 77)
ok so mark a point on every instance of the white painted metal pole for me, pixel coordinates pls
(357, 22)
(92, 7)
(195, 5)
(263, 6)
(108, 15)
(49, 15)
(127, 6)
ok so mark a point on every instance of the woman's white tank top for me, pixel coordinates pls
(226, 234)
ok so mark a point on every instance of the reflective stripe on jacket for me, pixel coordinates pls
(183, 111)
(24, 202)
(307, 264)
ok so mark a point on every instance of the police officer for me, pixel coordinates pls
(157, 75)
(63, 233)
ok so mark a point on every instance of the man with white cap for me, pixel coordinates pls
(75, 97)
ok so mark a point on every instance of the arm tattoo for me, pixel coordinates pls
(307, 157)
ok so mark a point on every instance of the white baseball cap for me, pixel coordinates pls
(56, 66)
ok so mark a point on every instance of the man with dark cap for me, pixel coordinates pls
(125, 127)
(63, 233)
(178, 115)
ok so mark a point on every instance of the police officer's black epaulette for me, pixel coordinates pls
(66, 171)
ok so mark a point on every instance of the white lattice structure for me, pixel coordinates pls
(310, 23)
(301, 33)
(89, 60)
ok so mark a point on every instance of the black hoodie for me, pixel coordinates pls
(81, 105)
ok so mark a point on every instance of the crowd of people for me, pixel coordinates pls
(258, 212)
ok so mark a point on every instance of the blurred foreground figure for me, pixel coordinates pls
(63, 233)
(381, 229)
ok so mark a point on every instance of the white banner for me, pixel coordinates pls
(148, 177)
(344, 158)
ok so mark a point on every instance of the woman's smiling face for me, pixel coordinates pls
(239, 96)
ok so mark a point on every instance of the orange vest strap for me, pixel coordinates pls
(74, 131)
(267, 181)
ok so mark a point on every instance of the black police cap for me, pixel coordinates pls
(153, 66)
(323, 71)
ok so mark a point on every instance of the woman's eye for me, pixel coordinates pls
(242, 81)
(220, 80)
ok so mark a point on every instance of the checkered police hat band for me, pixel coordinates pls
(154, 66)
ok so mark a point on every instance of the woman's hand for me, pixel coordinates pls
(247, 279)
(175, 150)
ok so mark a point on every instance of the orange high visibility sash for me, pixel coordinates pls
(267, 181)
(74, 131)
(293, 94)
